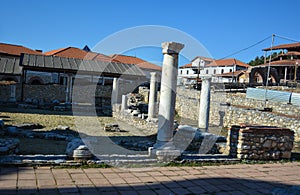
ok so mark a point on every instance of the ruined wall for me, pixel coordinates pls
(188, 101)
(45, 92)
(260, 143)
(5, 92)
(236, 116)
(239, 99)
(241, 110)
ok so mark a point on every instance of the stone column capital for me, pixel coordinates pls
(171, 47)
(153, 74)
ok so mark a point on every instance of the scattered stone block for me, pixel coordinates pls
(9, 146)
(62, 127)
(29, 126)
(112, 128)
(12, 130)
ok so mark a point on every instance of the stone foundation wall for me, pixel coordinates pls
(188, 102)
(5, 92)
(56, 92)
(85, 93)
(239, 99)
(260, 142)
(236, 116)
(229, 109)
(45, 92)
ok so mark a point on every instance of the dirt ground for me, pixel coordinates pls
(50, 120)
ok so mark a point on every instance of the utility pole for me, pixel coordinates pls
(269, 67)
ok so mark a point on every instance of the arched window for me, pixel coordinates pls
(180, 71)
(36, 81)
(230, 70)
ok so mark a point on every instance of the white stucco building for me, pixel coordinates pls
(222, 71)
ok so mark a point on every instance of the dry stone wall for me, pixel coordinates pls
(260, 142)
(45, 92)
(234, 109)
(5, 92)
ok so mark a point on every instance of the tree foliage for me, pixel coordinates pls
(260, 60)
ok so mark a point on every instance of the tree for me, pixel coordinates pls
(261, 60)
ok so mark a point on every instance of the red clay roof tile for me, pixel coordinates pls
(230, 74)
(228, 62)
(284, 46)
(16, 49)
(136, 61)
(73, 52)
(186, 66)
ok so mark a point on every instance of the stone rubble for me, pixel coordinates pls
(9, 146)
(112, 128)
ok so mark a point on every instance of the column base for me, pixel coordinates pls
(12, 99)
(164, 151)
(164, 155)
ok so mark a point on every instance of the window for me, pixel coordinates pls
(181, 72)
(215, 71)
(230, 70)
(222, 71)
(206, 71)
(187, 72)
(35, 81)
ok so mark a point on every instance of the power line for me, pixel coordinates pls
(259, 42)
(286, 38)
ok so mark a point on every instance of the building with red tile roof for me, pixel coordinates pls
(147, 67)
(136, 61)
(73, 52)
(227, 62)
(283, 67)
(16, 50)
(289, 47)
(224, 70)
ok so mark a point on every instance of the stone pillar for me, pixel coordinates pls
(124, 106)
(168, 96)
(69, 81)
(152, 96)
(204, 103)
(114, 95)
(12, 97)
(70, 87)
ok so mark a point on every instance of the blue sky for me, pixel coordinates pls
(223, 27)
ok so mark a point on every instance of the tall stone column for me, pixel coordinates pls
(69, 86)
(204, 103)
(12, 93)
(152, 96)
(168, 96)
(124, 106)
(114, 95)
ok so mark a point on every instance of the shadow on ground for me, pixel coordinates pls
(202, 185)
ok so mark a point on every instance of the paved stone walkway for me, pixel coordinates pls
(224, 179)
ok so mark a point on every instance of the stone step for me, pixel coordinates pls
(208, 158)
(111, 159)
